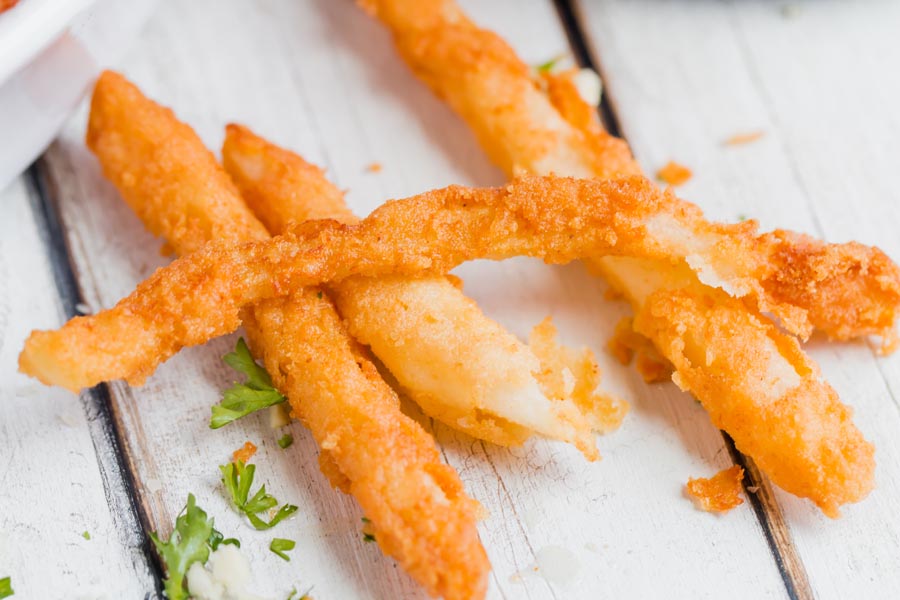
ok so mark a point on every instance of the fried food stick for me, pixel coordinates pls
(418, 509)
(460, 366)
(544, 126)
(754, 381)
(199, 297)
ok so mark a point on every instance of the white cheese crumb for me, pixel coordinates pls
(589, 86)
(224, 578)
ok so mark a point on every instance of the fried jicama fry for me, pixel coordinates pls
(199, 296)
(458, 365)
(541, 125)
(754, 380)
(558, 219)
(418, 509)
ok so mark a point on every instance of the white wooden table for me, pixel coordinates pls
(820, 79)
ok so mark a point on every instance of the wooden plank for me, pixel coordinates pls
(685, 77)
(323, 79)
(57, 479)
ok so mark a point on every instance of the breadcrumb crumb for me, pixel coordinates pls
(719, 493)
(744, 138)
(374, 167)
(674, 173)
(626, 343)
(244, 453)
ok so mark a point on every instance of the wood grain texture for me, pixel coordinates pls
(813, 77)
(57, 480)
(321, 78)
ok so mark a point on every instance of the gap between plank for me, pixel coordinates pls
(765, 506)
(118, 480)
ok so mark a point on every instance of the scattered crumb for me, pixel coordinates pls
(374, 167)
(719, 493)
(244, 453)
(753, 489)
(744, 138)
(674, 173)
(482, 513)
(516, 578)
(573, 375)
(626, 343)
(592, 547)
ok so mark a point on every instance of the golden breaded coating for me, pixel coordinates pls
(480, 77)
(418, 509)
(719, 493)
(461, 367)
(163, 171)
(848, 290)
(779, 410)
(199, 296)
(539, 124)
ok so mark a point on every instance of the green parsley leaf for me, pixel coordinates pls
(216, 538)
(237, 479)
(241, 399)
(366, 520)
(86, 535)
(189, 543)
(285, 441)
(548, 66)
(368, 537)
(6, 587)
(742, 217)
(280, 546)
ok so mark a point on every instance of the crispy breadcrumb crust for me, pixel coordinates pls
(719, 493)
(523, 129)
(418, 509)
(460, 366)
(199, 296)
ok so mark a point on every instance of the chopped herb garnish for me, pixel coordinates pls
(241, 399)
(189, 543)
(368, 537)
(742, 217)
(6, 587)
(86, 535)
(366, 520)
(280, 546)
(285, 441)
(216, 538)
(238, 478)
(548, 66)
(319, 295)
